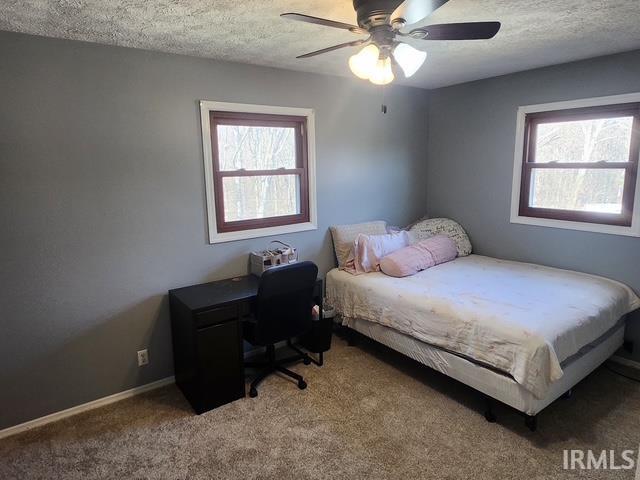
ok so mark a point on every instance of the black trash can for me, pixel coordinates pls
(318, 338)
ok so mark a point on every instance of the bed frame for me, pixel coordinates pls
(493, 385)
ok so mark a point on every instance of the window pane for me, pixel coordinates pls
(580, 189)
(248, 198)
(256, 148)
(600, 140)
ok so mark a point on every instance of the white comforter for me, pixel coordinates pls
(519, 318)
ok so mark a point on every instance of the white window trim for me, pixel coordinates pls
(206, 106)
(633, 230)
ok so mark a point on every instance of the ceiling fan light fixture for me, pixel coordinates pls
(382, 73)
(410, 59)
(384, 29)
(363, 63)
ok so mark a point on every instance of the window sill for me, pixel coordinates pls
(261, 232)
(632, 231)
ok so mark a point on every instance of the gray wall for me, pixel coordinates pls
(470, 165)
(102, 201)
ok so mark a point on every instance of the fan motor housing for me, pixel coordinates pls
(373, 13)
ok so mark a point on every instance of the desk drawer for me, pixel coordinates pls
(216, 315)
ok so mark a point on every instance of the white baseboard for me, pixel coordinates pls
(116, 397)
(625, 361)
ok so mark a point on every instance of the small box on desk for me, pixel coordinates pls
(264, 260)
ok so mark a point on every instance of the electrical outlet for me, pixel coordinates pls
(143, 357)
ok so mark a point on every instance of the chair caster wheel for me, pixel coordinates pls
(307, 361)
(490, 417)
(302, 384)
(253, 393)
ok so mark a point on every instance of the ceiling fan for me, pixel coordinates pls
(382, 21)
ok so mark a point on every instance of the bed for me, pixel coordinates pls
(520, 333)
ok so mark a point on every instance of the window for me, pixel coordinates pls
(260, 169)
(578, 166)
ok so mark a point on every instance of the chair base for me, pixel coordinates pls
(273, 366)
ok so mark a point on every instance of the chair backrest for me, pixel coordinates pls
(284, 302)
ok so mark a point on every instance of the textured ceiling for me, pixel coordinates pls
(534, 32)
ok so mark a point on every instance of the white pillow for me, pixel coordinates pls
(368, 250)
(344, 236)
(424, 229)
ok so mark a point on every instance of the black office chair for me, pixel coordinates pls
(282, 310)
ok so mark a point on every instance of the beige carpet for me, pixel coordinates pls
(368, 413)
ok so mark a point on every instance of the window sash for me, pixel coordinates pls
(261, 173)
(586, 113)
(301, 170)
(532, 120)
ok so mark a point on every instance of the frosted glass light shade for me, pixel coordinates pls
(382, 73)
(363, 63)
(410, 59)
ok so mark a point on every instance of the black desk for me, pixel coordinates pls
(207, 338)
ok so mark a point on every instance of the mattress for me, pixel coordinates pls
(521, 319)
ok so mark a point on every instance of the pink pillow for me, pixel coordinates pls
(368, 250)
(420, 256)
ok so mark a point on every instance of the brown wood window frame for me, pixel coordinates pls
(302, 168)
(532, 120)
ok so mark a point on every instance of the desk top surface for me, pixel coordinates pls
(221, 292)
(218, 293)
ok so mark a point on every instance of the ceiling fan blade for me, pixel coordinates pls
(457, 31)
(412, 11)
(355, 43)
(323, 21)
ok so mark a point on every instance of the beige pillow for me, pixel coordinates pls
(344, 236)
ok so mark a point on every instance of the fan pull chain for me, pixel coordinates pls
(383, 106)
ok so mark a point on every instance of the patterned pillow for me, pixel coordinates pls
(445, 226)
(344, 236)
